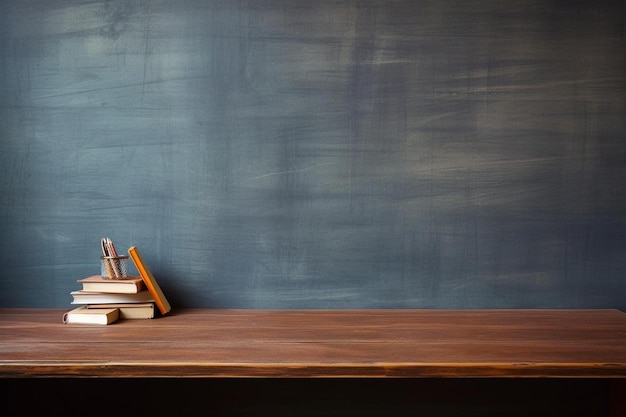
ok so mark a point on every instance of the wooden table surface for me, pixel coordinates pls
(319, 343)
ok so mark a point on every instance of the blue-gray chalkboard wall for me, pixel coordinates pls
(317, 154)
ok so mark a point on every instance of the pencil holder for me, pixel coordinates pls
(114, 267)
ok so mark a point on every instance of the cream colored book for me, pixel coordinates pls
(129, 311)
(97, 283)
(84, 315)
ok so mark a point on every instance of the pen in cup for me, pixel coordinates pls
(113, 265)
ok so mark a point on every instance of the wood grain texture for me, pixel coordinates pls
(320, 343)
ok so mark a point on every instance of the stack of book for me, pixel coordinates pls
(103, 300)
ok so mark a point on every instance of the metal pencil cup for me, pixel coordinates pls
(114, 267)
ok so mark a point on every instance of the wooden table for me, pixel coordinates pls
(319, 343)
(205, 343)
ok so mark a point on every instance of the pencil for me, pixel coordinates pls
(105, 260)
(114, 260)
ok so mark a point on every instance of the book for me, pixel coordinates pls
(83, 315)
(129, 311)
(90, 297)
(98, 283)
(149, 281)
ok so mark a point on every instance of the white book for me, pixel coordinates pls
(90, 297)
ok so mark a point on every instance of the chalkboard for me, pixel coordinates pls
(317, 154)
